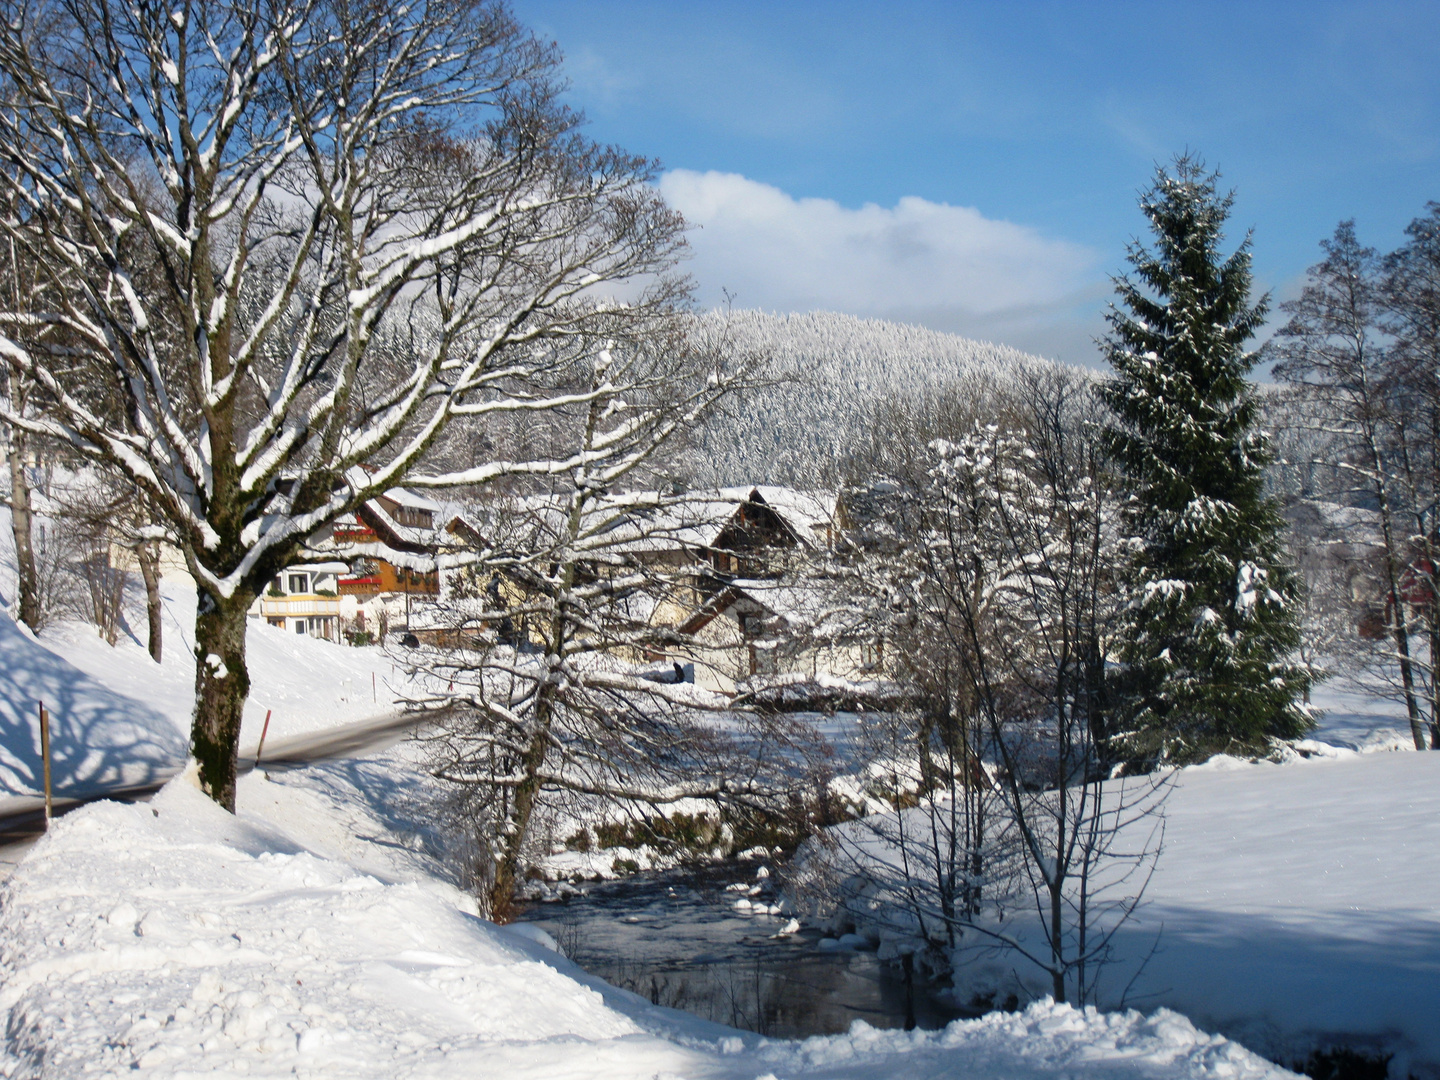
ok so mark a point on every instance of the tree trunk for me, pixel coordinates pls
(22, 521)
(1057, 940)
(222, 684)
(1402, 649)
(507, 870)
(1397, 609)
(148, 556)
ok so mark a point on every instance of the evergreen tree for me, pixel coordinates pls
(1215, 616)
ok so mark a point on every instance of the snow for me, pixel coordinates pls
(99, 738)
(1297, 902)
(170, 939)
(1351, 720)
(1293, 904)
(118, 719)
(317, 934)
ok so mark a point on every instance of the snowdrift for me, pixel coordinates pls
(1292, 906)
(118, 719)
(172, 939)
(99, 739)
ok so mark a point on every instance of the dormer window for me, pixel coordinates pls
(299, 583)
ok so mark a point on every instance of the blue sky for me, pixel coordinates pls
(974, 166)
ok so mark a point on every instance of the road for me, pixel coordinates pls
(19, 831)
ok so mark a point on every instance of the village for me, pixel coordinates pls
(729, 542)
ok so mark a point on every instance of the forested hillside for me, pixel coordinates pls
(832, 369)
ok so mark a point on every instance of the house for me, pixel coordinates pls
(388, 559)
(765, 609)
(304, 600)
(736, 578)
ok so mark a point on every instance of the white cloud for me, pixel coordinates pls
(949, 267)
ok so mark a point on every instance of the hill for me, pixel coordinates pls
(829, 370)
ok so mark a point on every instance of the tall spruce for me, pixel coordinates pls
(1214, 619)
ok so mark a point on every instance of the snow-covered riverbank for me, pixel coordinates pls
(310, 936)
(1292, 906)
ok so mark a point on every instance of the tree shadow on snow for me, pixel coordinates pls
(99, 739)
(1284, 983)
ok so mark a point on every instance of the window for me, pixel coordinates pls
(299, 583)
(300, 626)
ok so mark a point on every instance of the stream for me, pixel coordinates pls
(686, 939)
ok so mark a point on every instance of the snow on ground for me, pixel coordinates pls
(1353, 720)
(1298, 902)
(1294, 905)
(99, 738)
(308, 937)
(307, 683)
(119, 719)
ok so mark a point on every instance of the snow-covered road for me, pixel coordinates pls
(22, 819)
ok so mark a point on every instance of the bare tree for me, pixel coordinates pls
(354, 224)
(1012, 544)
(1409, 312)
(16, 452)
(1333, 350)
(544, 651)
(105, 511)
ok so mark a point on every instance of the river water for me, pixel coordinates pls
(679, 938)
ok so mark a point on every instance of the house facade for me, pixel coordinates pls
(386, 565)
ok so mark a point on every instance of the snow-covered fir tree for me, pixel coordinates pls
(1214, 623)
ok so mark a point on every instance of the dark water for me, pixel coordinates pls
(676, 938)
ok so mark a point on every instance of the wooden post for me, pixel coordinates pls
(263, 732)
(45, 758)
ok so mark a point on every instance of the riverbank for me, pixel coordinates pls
(1291, 907)
(314, 934)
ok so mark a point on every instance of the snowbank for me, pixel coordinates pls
(1294, 903)
(1292, 907)
(99, 739)
(172, 939)
(119, 719)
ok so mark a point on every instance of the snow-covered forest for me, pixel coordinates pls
(825, 372)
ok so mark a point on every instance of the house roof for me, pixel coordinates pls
(405, 497)
(657, 521)
(802, 605)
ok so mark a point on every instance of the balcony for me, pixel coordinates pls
(359, 586)
(277, 606)
(353, 534)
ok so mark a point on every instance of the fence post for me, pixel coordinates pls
(45, 758)
(263, 732)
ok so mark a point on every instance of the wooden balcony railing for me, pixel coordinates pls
(299, 605)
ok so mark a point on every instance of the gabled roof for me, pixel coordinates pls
(800, 605)
(659, 521)
(405, 497)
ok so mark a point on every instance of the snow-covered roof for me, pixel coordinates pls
(325, 568)
(804, 606)
(800, 604)
(407, 498)
(358, 479)
(656, 521)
